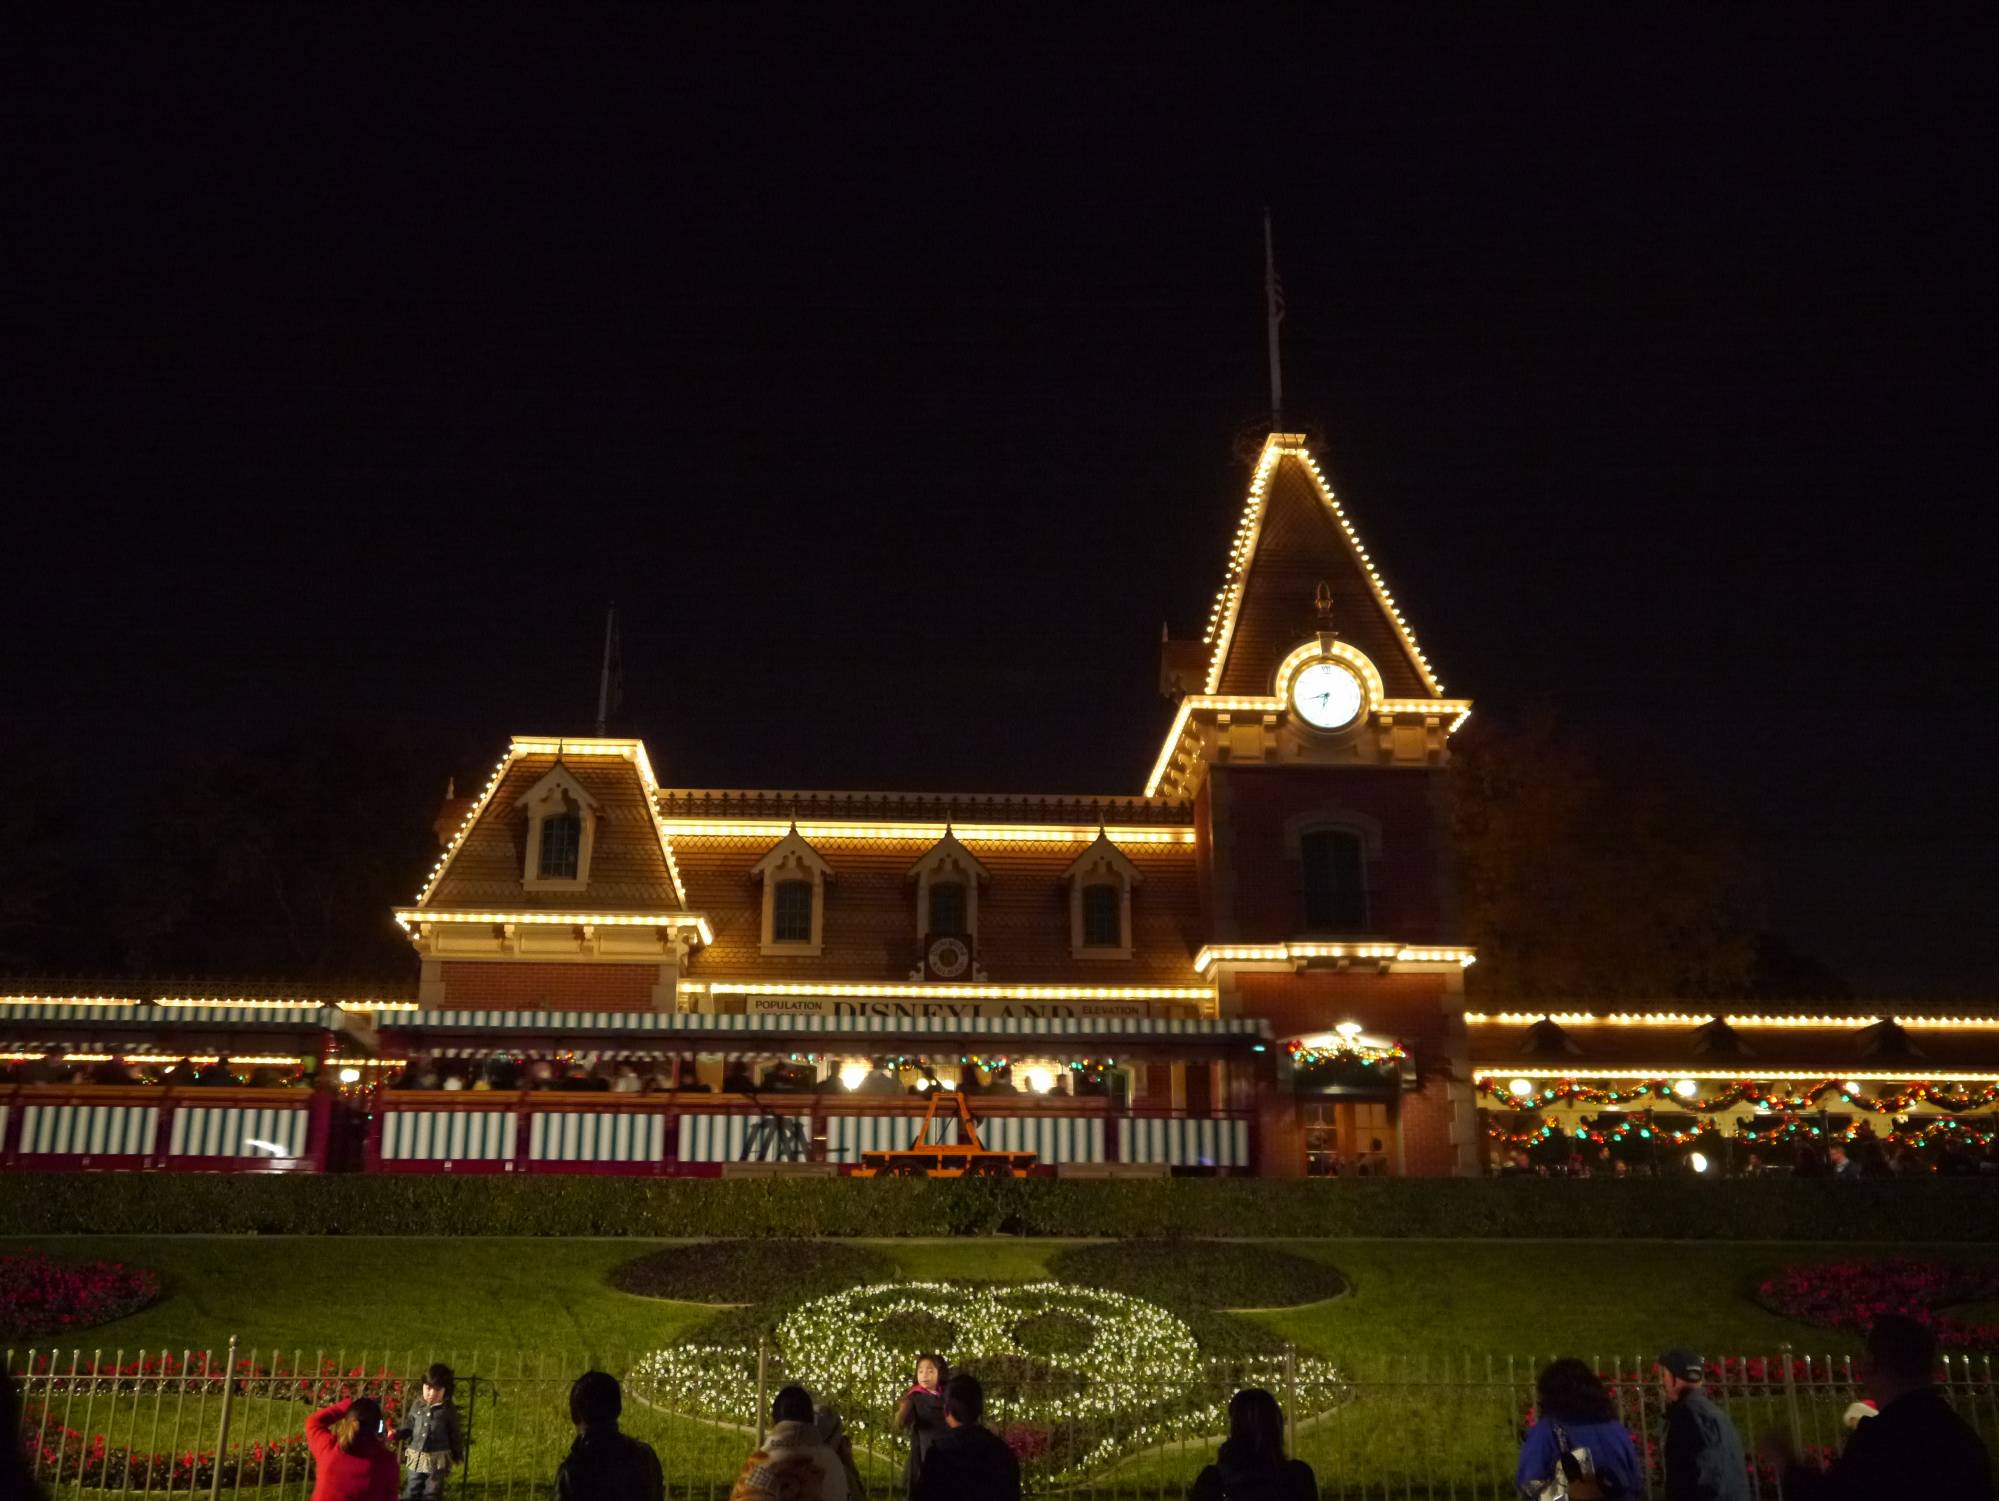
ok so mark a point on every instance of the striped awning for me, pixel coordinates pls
(156, 1018)
(712, 1024)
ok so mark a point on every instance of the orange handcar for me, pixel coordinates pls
(924, 1158)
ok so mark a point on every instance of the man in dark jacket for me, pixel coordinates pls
(1703, 1454)
(967, 1462)
(604, 1464)
(1915, 1446)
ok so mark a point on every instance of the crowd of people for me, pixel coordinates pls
(1905, 1440)
(1862, 1156)
(741, 1076)
(178, 1073)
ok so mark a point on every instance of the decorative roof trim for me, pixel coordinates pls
(792, 847)
(1817, 1022)
(899, 830)
(633, 751)
(1102, 851)
(943, 853)
(1291, 953)
(424, 916)
(1242, 552)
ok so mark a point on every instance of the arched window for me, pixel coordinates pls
(791, 912)
(947, 908)
(1103, 916)
(1335, 879)
(561, 851)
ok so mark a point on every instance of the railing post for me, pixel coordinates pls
(1290, 1399)
(222, 1432)
(763, 1374)
(1791, 1400)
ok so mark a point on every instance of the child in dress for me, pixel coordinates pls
(430, 1433)
(921, 1411)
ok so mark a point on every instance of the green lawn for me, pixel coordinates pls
(1439, 1299)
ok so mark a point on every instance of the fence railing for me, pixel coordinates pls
(230, 1422)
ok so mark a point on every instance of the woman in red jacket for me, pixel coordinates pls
(353, 1461)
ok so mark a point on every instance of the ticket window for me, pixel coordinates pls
(1346, 1138)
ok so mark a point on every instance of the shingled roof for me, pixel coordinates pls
(630, 869)
(1293, 537)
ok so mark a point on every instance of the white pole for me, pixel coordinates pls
(1274, 315)
(604, 677)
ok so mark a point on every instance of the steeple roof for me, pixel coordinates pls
(1293, 537)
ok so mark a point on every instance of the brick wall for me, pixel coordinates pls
(1407, 1007)
(470, 985)
(1425, 1126)
(1408, 883)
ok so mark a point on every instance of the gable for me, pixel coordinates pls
(630, 863)
(1293, 537)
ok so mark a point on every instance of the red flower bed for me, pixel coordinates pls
(64, 1455)
(41, 1296)
(1850, 1295)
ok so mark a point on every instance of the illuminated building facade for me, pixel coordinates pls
(1279, 891)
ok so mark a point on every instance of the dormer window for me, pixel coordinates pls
(1103, 916)
(947, 880)
(947, 908)
(791, 912)
(561, 832)
(794, 877)
(561, 847)
(1100, 886)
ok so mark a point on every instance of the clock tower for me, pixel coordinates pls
(1311, 737)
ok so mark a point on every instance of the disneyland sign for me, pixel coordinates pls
(890, 1009)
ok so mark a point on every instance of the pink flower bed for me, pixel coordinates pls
(1850, 1295)
(64, 1455)
(41, 1296)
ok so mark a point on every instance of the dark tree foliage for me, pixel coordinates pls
(1587, 872)
(276, 859)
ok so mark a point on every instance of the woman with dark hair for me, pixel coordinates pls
(1250, 1466)
(921, 1411)
(16, 1478)
(354, 1460)
(1578, 1445)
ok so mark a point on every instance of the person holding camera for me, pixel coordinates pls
(351, 1453)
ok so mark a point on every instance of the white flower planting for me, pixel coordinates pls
(1138, 1378)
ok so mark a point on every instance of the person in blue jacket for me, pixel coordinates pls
(1575, 1415)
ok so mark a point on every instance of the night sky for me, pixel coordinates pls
(890, 377)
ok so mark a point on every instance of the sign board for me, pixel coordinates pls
(888, 1008)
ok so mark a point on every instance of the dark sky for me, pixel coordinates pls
(887, 372)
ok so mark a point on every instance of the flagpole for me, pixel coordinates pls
(604, 677)
(1273, 314)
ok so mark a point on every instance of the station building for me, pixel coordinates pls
(1250, 964)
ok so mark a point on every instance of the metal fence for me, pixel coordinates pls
(230, 1422)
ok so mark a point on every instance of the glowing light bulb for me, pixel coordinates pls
(1040, 1080)
(1697, 1161)
(1348, 1030)
(853, 1073)
(1685, 1089)
(1521, 1088)
(350, 1076)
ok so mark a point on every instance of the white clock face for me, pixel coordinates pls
(1327, 696)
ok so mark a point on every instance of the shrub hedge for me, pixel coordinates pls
(750, 1271)
(1673, 1208)
(1203, 1274)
